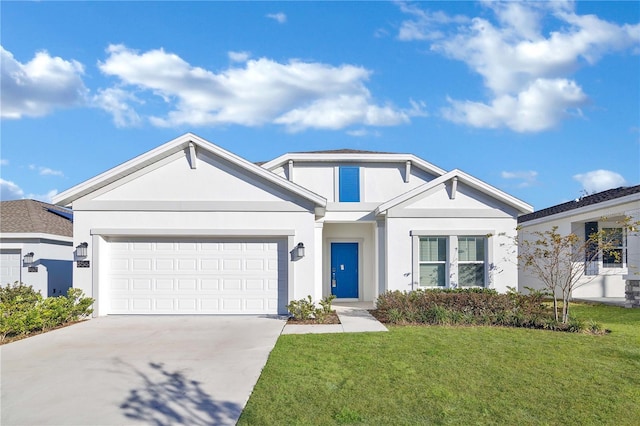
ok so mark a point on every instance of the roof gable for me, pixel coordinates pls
(31, 216)
(185, 145)
(437, 190)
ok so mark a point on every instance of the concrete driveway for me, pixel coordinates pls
(148, 370)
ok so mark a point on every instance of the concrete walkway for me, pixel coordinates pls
(354, 318)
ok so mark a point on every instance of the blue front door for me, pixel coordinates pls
(344, 270)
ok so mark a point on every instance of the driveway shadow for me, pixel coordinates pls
(170, 398)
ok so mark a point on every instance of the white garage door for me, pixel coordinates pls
(197, 276)
(9, 266)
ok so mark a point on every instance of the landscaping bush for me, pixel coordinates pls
(305, 309)
(473, 306)
(23, 310)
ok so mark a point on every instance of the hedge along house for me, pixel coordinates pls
(191, 228)
(36, 246)
(608, 275)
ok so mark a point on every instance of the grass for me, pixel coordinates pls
(455, 375)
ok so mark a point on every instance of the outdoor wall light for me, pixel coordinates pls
(28, 259)
(300, 250)
(81, 250)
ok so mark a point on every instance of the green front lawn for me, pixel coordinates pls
(455, 375)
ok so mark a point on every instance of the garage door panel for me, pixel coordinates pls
(190, 277)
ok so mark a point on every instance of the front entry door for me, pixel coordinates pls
(344, 270)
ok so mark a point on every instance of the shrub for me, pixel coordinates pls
(302, 309)
(472, 306)
(23, 310)
(305, 309)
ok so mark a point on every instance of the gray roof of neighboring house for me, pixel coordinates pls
(31, 216)
(610, 194)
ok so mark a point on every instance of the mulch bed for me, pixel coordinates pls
(331, 318)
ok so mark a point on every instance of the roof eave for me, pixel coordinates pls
(363, 158)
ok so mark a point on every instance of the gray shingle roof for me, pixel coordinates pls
(31, 216)
(588, 200)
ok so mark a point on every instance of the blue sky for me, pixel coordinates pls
(541, 100)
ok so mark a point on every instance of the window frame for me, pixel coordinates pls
(452, 262)
(482, 262)
(443, 262)
(622, 247)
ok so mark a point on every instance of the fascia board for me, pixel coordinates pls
(356, 158)
(141, 161)
(582, 210)
(34, 235)
(467, 180)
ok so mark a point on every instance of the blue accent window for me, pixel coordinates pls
(349, 184)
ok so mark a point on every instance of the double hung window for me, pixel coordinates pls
(433, 261)
(614, 257)
(471, 261)
(439, 266)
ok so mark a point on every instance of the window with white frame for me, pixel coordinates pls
(437, 268)
(615, 257)
(471, 262)
(433, 261)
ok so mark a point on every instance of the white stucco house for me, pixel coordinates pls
(191, 228)
(604, 210)
(36, 246)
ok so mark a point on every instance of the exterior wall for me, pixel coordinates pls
(96, 227)
(52, 257)
(379, 182)
(363, 234)
(402, 273)
(610, 282)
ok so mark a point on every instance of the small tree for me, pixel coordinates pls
(560, 262)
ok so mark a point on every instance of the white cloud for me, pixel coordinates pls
(527, 178)
(10, 191)
(539, 107)
(116, 101)
(425, 24)
(239, 56)
(44, 197)
(520, 64)
(298, 95)
(4, 162)
(45, 171)
(280, 17)
(600, 180)
(360, 133)
(40, 85)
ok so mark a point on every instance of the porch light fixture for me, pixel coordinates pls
(300, 250)
(81, 250)
(28, 259)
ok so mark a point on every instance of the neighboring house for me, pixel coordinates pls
(189, 227)
(583, 217)
(36, 246)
